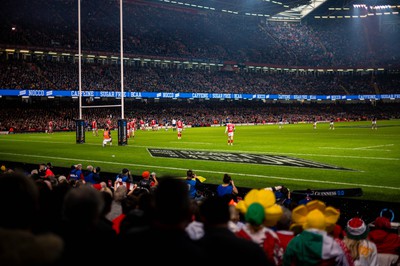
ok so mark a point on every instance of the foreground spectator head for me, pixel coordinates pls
(82, 206)
(189, 174)
(215, 211)
(362, 250)
(357, 229)
(62, 178)
(382, 223)
(387, 241)
(172, 203)
(146, 174)
(19, 199)
(285, 220)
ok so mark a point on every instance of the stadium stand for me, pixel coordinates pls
(178, 49)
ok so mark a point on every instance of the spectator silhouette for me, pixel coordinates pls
(236, 220)
(221, 245)
(120, 193)
(195, 228)
(313, 245)
(227, 188)
(283, 228)
(307, 198)
(362, 250)
(194, 184)
(104, 225)
(19, 201)
(261, 212)
(76, 173)
(91, 176)
(138, 213)
(385, 240)
(83, 208)
(124, 176)
(147, 181)
(165, 240)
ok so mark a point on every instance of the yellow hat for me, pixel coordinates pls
(267, 200)
(315, 219)
(299, 215)
(272, 215)
(331, 217)
(316, 215)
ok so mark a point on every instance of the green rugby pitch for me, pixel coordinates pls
(372, 155)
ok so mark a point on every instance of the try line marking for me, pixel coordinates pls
(237, 151)
(186, 142)
(198, 170)
(360, 148)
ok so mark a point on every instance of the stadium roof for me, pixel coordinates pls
(290, 10)
(272, 10)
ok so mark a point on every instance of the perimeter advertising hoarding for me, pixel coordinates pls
(188, 95)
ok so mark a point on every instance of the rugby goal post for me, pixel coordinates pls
(122, 123)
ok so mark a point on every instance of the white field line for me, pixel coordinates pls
(187, 142)
(200, 170)
(367, 148)
(382, 136)
(40, 137)
(351, 149)
(372, 147)
(236, 151)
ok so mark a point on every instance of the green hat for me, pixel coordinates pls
(255, 214)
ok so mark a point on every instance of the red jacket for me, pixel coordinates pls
(385, 241)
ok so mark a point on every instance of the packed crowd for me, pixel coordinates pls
(34, 116)
(48, 75)
(59, 219)
(51, 217)
(178, 32)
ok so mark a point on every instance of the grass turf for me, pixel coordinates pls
(372, 155)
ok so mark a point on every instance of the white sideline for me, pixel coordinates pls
(367, 148)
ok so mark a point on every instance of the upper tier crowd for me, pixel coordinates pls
(181, 32)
